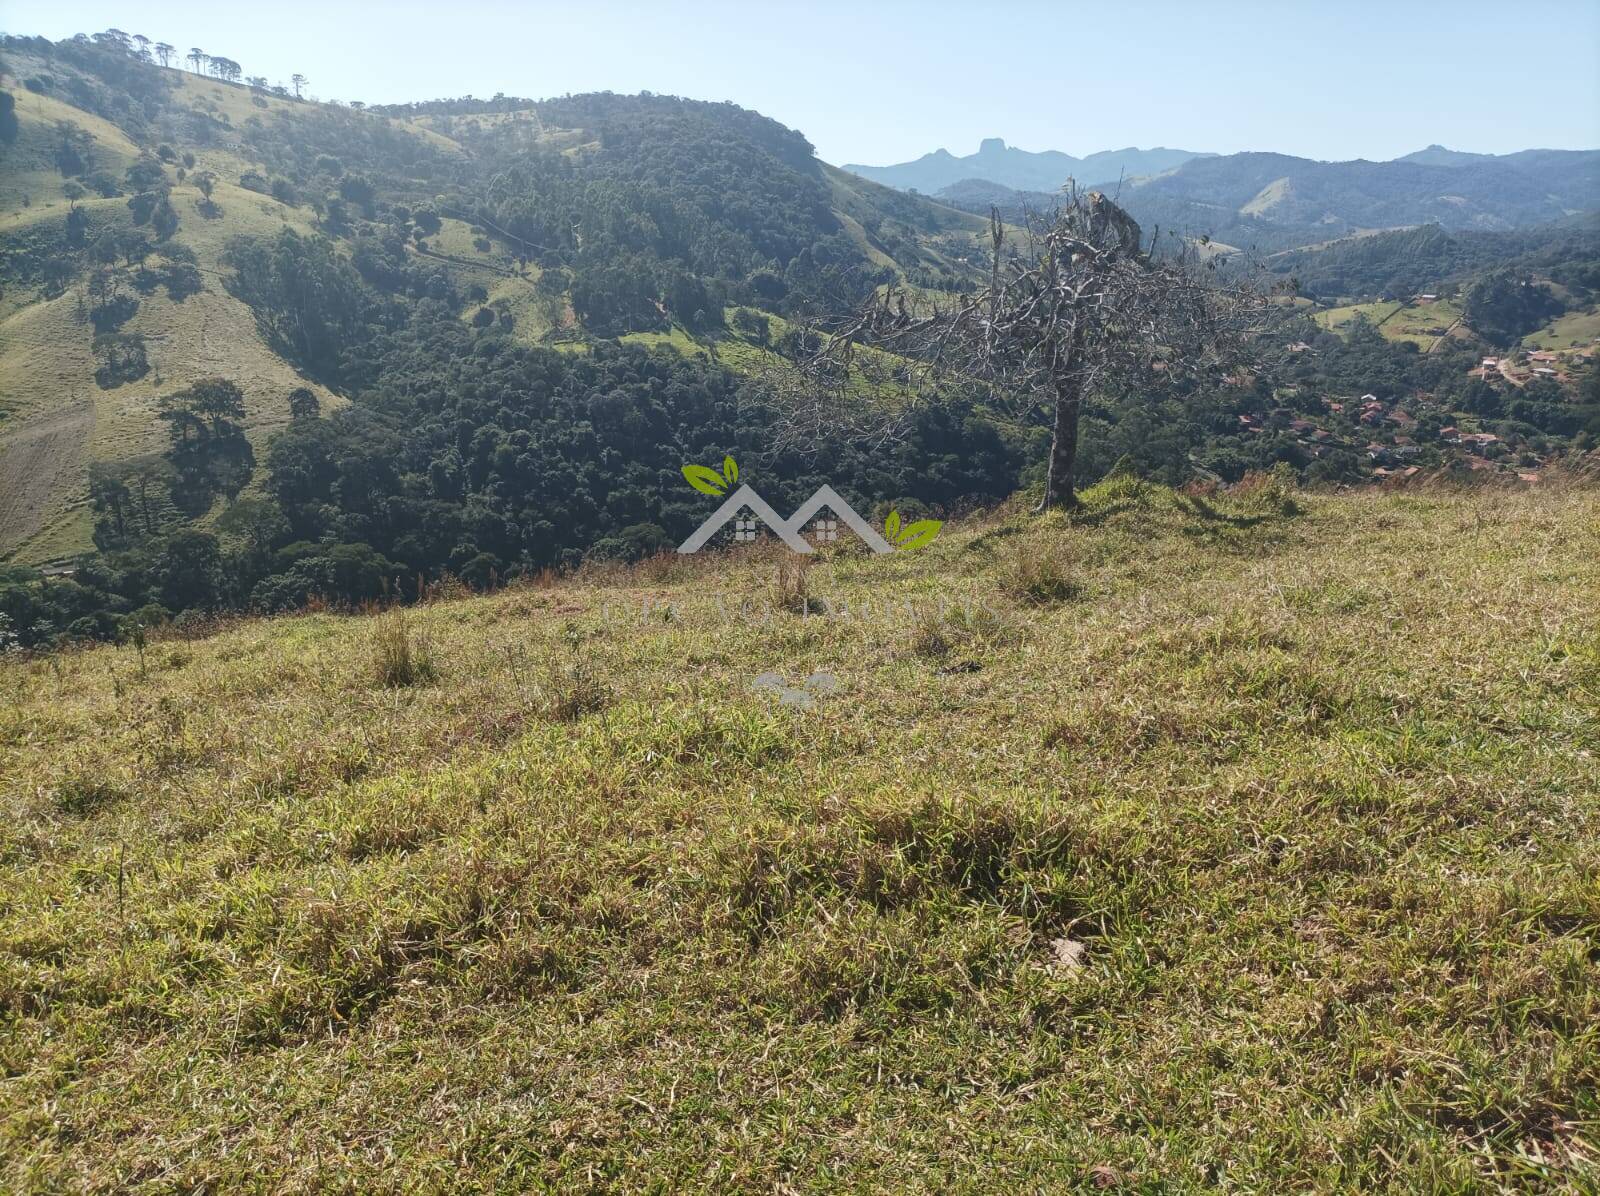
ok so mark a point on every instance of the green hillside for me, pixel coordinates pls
(1421, 323)
(47, 358)
(1411, 261)
(1574, 330)
(1536, 286)
(1277, 203)
(1245, 842)
(598, 191)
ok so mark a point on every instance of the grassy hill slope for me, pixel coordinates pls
(1424, 324)
(55, 419)
(1212, 846)
(48, 364)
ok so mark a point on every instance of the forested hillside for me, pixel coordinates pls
(1401, 263)
(162, 227)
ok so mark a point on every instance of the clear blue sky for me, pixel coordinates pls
(880, 81)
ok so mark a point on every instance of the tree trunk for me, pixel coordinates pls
(1059, 482)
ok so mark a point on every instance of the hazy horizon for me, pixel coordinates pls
(892, 83)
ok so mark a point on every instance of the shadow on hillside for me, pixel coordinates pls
(1128, 503)
(1197, 506)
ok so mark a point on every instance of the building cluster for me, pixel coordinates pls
(1399, 438)
(1520, 367)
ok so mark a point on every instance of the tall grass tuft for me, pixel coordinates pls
(400, 659)
(567, 682)
(1039, 573)
(789, 586)
(1266, 492)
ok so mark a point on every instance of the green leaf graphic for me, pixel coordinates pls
(730, 470)
(920, 534)
(707, 481)
(891, 526)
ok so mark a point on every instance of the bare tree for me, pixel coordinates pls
(1080, 307)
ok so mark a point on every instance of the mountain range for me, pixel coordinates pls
(1278, 201)
(1020, 169)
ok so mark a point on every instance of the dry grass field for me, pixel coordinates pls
(1242, 843)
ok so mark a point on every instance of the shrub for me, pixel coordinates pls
(151, 614)
(144, 174)
(194, 624)
(102, 184)
(122, 358)
(982, 626)
(931, 638)
(971, 628)
(82, 794)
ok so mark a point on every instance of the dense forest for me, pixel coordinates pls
(464, 447)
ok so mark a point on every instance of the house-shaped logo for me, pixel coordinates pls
(824, 510)
(818, 521)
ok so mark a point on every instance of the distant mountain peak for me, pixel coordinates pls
(1022, 170)
(1439, 155)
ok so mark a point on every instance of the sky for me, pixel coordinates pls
(879, 82)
